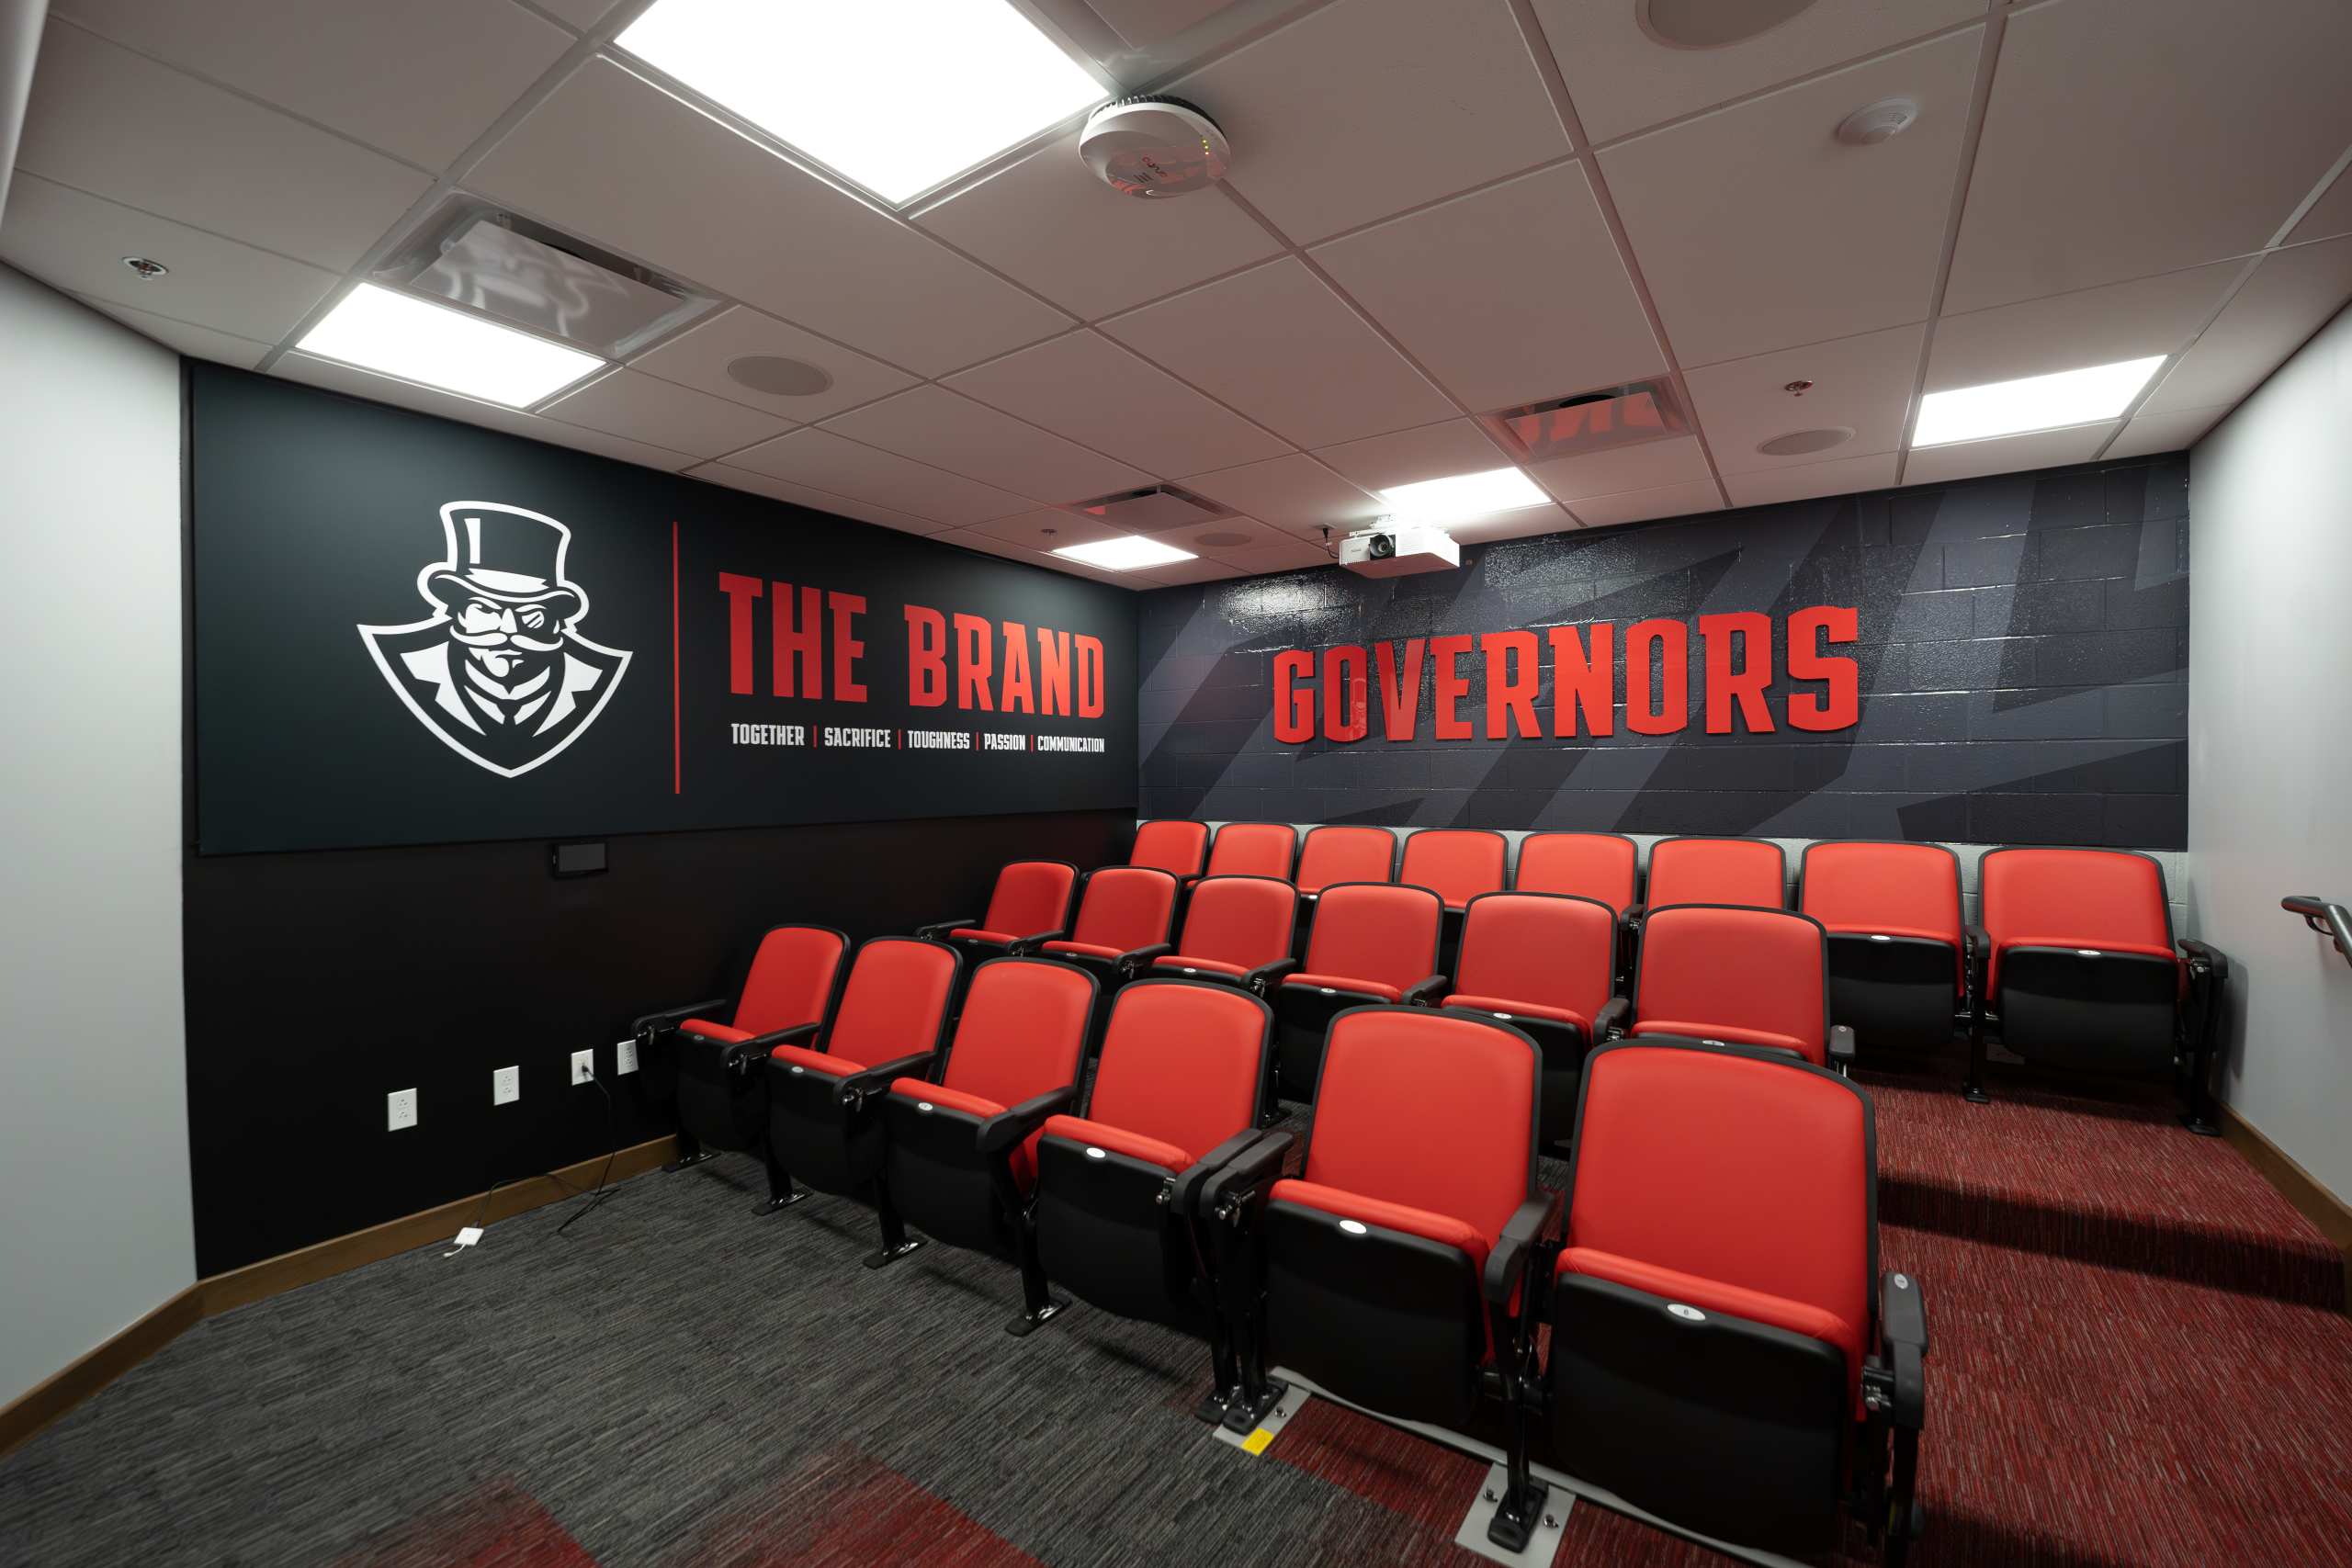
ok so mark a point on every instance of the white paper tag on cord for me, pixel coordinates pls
(466, 1238)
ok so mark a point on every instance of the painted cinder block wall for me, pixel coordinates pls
(2022, 650)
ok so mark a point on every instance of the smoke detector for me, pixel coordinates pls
(1874, 123)
(1154, 145)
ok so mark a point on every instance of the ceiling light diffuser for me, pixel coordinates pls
(1129, 554)
(397, 334)
(2037, 403)
(896, 97)
(1467, 495)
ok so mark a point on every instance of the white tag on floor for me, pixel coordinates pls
(1542, 1545)
(1255, 1442)
(466, 1238)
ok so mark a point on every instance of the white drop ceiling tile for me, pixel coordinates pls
(2005, 455)
(1087, 387)
(1277, 344)
(1293, 556)
(1517, 523)
(421, 80)
(934, 425)
(1048, 222)
(664, 414)
(700, 359)
(1649, 465)
(1622, 79)
(1295, 493)
(824, 461)
(1218, 535)
(1409, 456)
(1644, 505)
(617, 160)
(2330, 215)
(355, 382)
(1183, 574)
(2128, 136)
(1808, 481)
(815, 500)
(580, 14)
(1006, 549)
(1861, 384)
(2291, 296)
(75, 241)
(1510, 295)
(2178, 432)
(1369, 107)
(105, 120)
(1757, 229)
(2139, 320)
(184, 337)
(1048, 529)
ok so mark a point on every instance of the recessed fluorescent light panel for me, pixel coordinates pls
(2037, 403)
(1129, 554)
(1466, 495)
(394, 334)
(898, 96)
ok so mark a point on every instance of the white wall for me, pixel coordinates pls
(95, 1218)
(2270, 740)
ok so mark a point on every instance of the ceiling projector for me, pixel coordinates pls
(1386, 551)
(1154, 145)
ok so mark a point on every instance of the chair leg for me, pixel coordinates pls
(1902, 1520)
(690, 1152)
(780, 1192)
(1521, 1507)
(896, 1244)
(1038, 1307)
(1974, 1091)
(2200, 1117)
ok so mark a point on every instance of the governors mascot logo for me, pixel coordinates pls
(498, 672)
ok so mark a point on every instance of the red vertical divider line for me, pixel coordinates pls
(677, 744)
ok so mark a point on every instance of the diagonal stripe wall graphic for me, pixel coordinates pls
(2020, 656)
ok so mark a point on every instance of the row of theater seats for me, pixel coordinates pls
(1723, 1349)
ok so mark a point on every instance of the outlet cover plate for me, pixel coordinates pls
(400, 1110)
(584, 1066)
(505, 1086)
(625, 1054)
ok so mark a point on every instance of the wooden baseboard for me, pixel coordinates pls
(24, 1417)
(2298, 1186)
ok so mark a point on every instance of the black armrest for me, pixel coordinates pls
(1841, 1045)
(1420, 992)
(877, 1080)
(1508, 1259)
(1632, 918)
(654, 1023)
(1261, 979)
(1026, 945)
(1242, 1172)
(1006, 1128)
(938, 929)
(1902, 1323)
(1609, 1023)
(742, 1051)
(1134, 962)
(1187, 1186)
(2216, 963)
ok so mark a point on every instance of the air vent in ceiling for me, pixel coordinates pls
(1591, 422)
(531, 276)
(1151, 511)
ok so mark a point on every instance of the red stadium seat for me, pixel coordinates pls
(1543, 962)
(1371, 942)
(1724, 1352)
(1031, 903)
(723, 1095)
(1456, 863)
(1172, 845)
(1237, 929)
(1606, 866)
(1898, 948)
(1254, 849)
(1333, 856)
(1173, 1100)
(2084, 974)
(1717, 871)
(890, 1020)
(1396, 1262)
(1124, 913)
(1740, 975)
(960, 1154)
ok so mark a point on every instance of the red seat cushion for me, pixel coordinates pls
(1119, 1141)
(1731, 1035)
(1092, 949)
(1520, 1009)
(1025, 1162)
(1341, 982)
(968, 934)
(1713, 1295)
(1180, 964)
(816, 1061)
(1443, 1229)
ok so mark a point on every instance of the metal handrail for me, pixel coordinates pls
(2328, 919)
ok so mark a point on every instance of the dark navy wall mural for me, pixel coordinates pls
(1995, 661)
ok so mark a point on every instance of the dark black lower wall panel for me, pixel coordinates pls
(320, 982)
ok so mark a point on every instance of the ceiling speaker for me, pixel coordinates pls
(778, 376)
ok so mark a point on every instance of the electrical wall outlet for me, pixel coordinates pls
(400, 1110)
(506, 1084)
(625, 1057)
(583, 1067)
